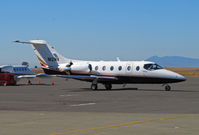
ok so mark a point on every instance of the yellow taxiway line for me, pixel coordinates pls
(123, 124)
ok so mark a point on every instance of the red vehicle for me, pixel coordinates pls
(7, 79)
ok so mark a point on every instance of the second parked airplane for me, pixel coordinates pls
(105, 72)
(20, 72)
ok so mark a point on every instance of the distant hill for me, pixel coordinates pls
(175, 61)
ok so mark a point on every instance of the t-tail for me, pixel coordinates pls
(48, 57)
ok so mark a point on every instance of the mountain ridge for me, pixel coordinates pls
(175, 61)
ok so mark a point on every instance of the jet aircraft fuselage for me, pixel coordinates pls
(105, 72)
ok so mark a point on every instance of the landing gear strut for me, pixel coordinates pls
(167, 87)
(108, 86)
(94, 85)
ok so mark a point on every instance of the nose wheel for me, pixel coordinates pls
(167, 87)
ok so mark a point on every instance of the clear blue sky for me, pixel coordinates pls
(100, 29)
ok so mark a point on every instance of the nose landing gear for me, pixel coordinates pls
(167, 87)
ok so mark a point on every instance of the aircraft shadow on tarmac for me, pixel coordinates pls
(130, 89)
(167, 91)
(117, 89)
(42, 84)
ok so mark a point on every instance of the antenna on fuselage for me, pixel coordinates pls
(118, 59)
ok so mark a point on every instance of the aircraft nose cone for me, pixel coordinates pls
(175, 76)
(181, 78)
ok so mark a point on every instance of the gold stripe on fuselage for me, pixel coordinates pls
(44, 63)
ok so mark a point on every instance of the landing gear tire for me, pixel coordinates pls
(94, 86)
(167, 88)
(108, 86)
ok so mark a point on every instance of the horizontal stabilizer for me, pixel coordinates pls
(38, 42)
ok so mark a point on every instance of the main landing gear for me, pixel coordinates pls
(167, 87)
(108, 86)
(94, 86)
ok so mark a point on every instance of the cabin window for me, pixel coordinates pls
(55, 55)
(104, 68)
(120, 68)
(137, 68)
(152, 67)
(111, 68)
(129, 68)
(96, 67)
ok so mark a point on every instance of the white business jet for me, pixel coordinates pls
(19, 72)
(105, 72)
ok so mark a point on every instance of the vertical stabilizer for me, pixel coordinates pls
(48, 57)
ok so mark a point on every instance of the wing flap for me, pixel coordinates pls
(25, 76)
(44, 75)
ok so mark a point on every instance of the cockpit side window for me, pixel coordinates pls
(158, 66)
(152, 67)
(147, 66)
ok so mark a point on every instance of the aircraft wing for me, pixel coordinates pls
(91, 77)
(25, 76)
(34, 76)
(80, 77)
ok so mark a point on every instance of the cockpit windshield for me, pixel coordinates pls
(152, 67)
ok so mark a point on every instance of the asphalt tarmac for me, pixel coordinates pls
(70, 107)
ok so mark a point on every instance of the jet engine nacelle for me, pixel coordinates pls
(64, 67)
(81, 67)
